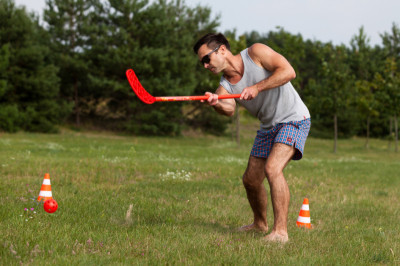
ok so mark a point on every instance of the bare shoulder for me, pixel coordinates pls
(259, 50)
(266, 57)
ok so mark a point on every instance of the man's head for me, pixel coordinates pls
(212, 40)
(208, 45)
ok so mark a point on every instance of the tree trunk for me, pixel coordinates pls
(77, 110)
(336, 133)
(233, 128)
(396, 133)
(367, 140)
(390, 133)
(237, 127)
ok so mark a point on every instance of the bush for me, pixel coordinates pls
(10, 118)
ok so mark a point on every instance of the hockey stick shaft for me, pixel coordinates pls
(193, 98)
(146, 97)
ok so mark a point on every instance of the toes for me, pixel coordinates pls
(273, 237)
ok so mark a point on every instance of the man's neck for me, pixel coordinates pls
(235, 69)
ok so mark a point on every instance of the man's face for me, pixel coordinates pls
(209, 58)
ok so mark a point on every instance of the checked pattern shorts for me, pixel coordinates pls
(291, 133)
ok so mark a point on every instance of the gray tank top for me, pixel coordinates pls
(273, 106)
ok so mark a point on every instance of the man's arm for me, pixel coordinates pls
(225, 106)
(282, 71)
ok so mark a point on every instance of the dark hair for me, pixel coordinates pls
(213, 40)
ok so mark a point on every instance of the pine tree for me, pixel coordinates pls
(29, 86)
(67, 23)
(155, 39)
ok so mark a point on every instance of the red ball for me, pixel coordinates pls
(50, 205)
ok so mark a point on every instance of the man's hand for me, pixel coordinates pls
(212, 100)
(249, 93)
(225, 106)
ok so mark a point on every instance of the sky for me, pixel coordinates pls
(323, 20)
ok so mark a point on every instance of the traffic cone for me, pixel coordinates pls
(304, 219)
(45, 190)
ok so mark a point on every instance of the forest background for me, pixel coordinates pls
(67, 69)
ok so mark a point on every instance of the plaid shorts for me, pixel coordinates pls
(291, 133)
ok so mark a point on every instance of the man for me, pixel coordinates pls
(262, 78)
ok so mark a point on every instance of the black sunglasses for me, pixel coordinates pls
(206, 59)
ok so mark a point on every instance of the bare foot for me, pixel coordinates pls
(276, 237)
(251, 227)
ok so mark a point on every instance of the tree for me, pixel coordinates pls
(29, 86)
(367, 103)
(360, 59)
(67, 23)
(333, 91)
(363, 68)
(156, 41)
(391, 44)
(390, 95)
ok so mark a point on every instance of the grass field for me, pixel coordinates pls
(187, 201)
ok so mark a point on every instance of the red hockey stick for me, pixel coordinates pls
(147, 98)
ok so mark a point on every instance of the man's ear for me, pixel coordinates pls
(222, 49)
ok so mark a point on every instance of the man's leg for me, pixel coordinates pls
(253, 179)
(280, 156)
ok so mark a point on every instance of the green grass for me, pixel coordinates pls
(188, 200)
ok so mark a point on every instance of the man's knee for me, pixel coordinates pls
(254, 175)
(280, 156)
(272, 172)
(253, 179)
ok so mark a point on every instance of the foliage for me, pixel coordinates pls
(78, 59)
(363, 67)
(391, 43)
(68, 23)
(155, 40)
(29, 83)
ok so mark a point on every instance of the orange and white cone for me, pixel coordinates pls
(45, 190)
(304, 219)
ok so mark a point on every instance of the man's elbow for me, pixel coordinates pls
(288, 74)
(292, 74)
(230, 114)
